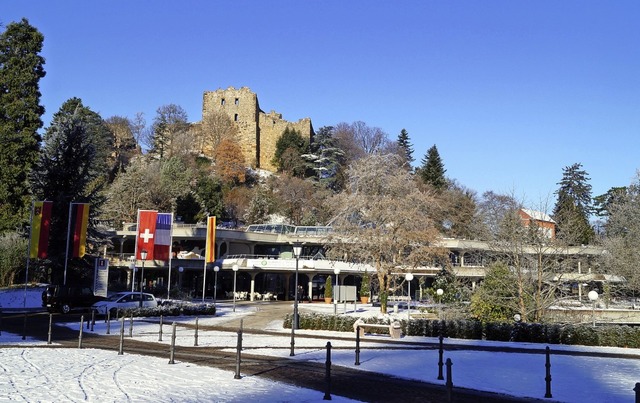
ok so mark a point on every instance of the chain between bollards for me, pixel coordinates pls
(327, 374)
(547, 378)
(238, 352)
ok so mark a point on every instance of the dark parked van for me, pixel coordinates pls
(59, 298)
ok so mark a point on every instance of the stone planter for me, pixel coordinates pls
(364, 299)
(327, 300)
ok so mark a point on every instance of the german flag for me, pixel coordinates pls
(40, 223)
(78, 220)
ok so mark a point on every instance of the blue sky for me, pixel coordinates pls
(510, 92)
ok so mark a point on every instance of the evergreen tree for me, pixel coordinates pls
(70, 168)
(289, 150)
(405, 147)
(326, 159)
(432, 169)
(21, 68)
(573, 206)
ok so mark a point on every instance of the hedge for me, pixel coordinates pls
(549, 333)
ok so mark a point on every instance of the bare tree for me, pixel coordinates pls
(359, 140)
(215, 127)
(383, 221)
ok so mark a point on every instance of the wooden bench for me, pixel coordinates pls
(395, 330)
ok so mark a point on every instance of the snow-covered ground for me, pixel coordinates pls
(32, 373)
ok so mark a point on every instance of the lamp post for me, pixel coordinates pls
(204, 280)
(439, 292)
(593, 297)
(336, 271)
(216, 269)
(235, 272)
(297, 251)
(132, 266)
(143, 257)
(409, 277)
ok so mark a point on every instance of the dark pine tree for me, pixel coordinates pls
(71, 167)
(289, 150)
(432, 170)
(21, 68)
(573, 207)
(405, 148)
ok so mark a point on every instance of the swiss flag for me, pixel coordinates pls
(154, 235)
(146, 233)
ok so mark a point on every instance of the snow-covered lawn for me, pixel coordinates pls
(51, 374)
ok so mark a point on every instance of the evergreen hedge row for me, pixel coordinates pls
(181, 309)
(550, 333)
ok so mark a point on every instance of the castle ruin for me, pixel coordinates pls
(258, 131)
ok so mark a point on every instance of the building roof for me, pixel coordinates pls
(538, 215)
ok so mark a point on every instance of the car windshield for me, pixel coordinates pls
(115, 297)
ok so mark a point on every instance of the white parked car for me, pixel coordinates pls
(124, 300)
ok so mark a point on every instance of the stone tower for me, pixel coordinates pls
(258, 131)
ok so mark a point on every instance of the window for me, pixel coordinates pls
(222, 102)
(235, 117)
(237, 101)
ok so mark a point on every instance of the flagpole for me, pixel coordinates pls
(66, 252)
(26, 272)
(170, 257)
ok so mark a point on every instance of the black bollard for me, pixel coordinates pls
(160, 331)
(357, 345)
(637, 390)
(121, 346)
(80, 335)
(195, 341)
(50, 328)
(172, 350)
(24, 327)
(547, 378)
(449, 382)
(440, 363)
(131, 325)
(327, 374)
(108, 319)
(93, 318)
(239, 352)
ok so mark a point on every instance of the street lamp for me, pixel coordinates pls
(204, 280)
(235, 272)
(439, 291)
(593, 297)
(297, 251)
(132, 266)
(143, 257)
(409, 277)
(336, 271)
(216, 269)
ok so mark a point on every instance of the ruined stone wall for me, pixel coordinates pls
(258, 131)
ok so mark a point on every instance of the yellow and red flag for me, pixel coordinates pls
(210, 249)
(40, 223)
(78, 220)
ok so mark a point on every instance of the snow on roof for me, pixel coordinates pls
(538, 215)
